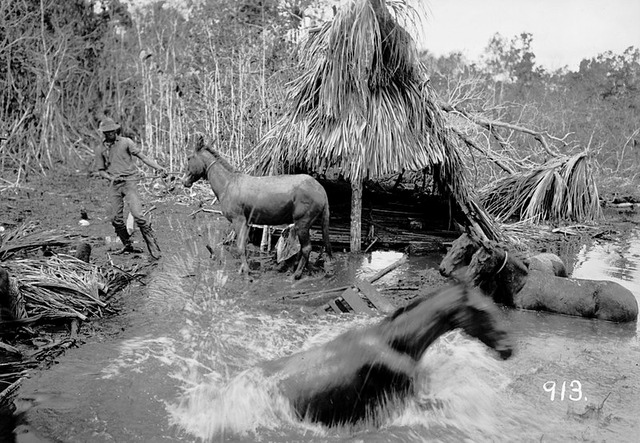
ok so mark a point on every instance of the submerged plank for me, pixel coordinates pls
(352, 298)
(374, 297)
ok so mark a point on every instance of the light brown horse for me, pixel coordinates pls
(268, 200)
(353, 376)
(508, 281)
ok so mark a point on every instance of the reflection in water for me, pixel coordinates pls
(612, 260)
(184, 367)
(377, 260)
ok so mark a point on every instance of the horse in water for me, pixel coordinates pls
(505, 278)
(353, 377)
(462, 249)
(268, 200)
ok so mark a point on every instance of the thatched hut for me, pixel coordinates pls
(363, 105)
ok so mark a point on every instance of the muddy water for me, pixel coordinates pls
(182, 367)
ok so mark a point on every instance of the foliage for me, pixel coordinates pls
(49, 54)
(221, 67)
(595, 108)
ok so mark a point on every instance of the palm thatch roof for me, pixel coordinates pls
(561, 189)
(363, 105)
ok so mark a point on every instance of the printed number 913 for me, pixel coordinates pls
(575, 390)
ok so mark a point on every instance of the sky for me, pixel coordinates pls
(564, 31)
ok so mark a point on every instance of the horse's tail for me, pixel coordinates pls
(325, 229)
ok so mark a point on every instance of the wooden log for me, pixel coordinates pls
(74, 328)
(386, 270)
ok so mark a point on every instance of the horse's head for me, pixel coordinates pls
(478, 317)
(412, 329)
(459, 255)
(196, 167)
(490, 260)
(485, 263)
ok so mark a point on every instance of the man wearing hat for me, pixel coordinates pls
(116, 163)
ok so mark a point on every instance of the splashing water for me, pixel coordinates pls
(187, 368)
(225, 395)
(458, 375)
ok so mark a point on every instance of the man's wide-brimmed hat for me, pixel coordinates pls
(108, 125)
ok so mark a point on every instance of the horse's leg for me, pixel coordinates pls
(242, 232)
(305, 249)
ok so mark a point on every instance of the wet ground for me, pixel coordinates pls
(176, 364)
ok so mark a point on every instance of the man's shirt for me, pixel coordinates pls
(117, 158)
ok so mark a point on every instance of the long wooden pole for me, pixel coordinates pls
(356, 215)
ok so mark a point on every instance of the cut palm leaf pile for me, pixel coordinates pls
(26, 238)
(560, 190)
(63, 286)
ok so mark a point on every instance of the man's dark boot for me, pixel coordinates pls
(150, 240)
(121, 231)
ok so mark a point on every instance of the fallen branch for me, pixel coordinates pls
(484, 152)
(386, 270)
(23, 238)
(490, 126)
(215, 211)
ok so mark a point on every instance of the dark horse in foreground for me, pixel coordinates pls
(268, 200)
(352, 377)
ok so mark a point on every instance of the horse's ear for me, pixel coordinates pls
(200, 143)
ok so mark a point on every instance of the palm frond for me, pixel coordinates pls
(26, 237)
(563, 189)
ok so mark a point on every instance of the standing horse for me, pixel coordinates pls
(352, 377)
(508, 281)
(462, 250)
(268, 200)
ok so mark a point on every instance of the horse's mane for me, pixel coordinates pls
(417, 302)
(219, 158)
(406, 308)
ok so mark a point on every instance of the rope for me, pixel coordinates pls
(506, 257)
(206, 172)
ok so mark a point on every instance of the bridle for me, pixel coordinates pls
(215, 160)
(506, 257)
(206, 171)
